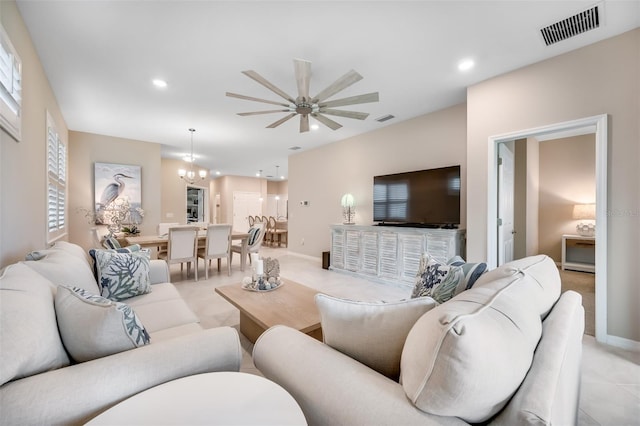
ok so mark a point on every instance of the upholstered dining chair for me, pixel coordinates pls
(163, 229)
(217, 246)
(182, 247)
(256, 236)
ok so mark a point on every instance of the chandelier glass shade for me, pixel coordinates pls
(190, 176)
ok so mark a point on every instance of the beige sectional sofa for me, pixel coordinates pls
(505, 352)
(41, 383)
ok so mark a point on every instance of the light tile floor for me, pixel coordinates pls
(610, 393)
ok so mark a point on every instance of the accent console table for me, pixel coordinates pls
(390, 253)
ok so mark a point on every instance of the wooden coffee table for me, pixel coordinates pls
(291, 304)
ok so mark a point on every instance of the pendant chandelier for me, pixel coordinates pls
(189, 176)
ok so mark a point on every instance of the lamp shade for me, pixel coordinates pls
(347, 200)
(584, 212)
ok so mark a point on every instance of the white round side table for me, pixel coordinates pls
(224, 398)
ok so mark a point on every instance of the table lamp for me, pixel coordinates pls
(586, 214)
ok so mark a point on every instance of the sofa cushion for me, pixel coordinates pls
(437, 280)
(93, 327)
(123, 275)
(549, 393)
(163, 314)
(542, 289)
(467, 357)
(63, 268)
(370, 332)
(29, 340)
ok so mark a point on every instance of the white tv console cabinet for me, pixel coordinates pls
(390, 253)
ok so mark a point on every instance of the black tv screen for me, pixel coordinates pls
(425, 197)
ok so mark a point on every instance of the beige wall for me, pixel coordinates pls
(23, 164)
(85, 149)
(173, 199)
(598, 79)
(567, 177)
(227, 185)
(322, 175)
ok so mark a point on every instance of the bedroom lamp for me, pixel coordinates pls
(348, 209)
(586, 214)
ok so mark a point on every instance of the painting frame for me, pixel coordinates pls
(115, 184)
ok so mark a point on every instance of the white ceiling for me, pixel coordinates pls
(100, 58)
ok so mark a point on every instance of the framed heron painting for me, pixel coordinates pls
(118, 194)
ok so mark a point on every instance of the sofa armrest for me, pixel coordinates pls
(159, 272)
(332, 388)
(77, 393)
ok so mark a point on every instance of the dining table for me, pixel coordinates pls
(161, 241)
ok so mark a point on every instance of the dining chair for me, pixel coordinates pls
(254, 242)
(182, 247)
(163, 229)
(270, 234)
(251, 220)
(282, 232)
(217, 246)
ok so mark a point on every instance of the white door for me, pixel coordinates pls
(505, 202)
(245, 204)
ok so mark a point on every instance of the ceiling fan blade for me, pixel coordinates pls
(347, 114)
(352, 100)
(250, 98)
(327, 121)
(260, 79)
(282, 120)
(303, 76)
(340, 84)
(263, 112)
(304, 123)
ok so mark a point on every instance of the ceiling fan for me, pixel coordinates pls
(304, 105)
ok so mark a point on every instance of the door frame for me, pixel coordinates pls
(599, 125)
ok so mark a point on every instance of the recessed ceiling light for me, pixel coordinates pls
(281, 177)
(314, 127)
(159, 83)
(466, 64)
(218, 173)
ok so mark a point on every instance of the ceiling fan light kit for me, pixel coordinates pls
(305, 105)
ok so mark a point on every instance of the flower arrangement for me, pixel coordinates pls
(115, 215)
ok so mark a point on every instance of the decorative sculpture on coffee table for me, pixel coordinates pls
(266, 275)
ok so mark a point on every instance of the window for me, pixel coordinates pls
(10, 87)
(56, 183)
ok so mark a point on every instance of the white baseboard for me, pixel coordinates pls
(622, 343)
(305, 256)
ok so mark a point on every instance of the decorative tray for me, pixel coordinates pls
(249, 285)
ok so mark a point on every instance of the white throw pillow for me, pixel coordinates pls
(373, 333)
(29, 339)
(123, 275)
(93, 327)
(467, 357)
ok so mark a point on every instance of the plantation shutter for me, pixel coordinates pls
(56, 183)
(10, 87)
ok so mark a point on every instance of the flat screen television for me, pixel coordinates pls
(428, 198)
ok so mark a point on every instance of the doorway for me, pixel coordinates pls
(197, 204)
(598, 126)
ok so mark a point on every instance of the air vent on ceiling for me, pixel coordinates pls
(295, 148)
(572, 26)
(385, 118)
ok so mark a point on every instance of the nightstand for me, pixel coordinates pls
(578, 253)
